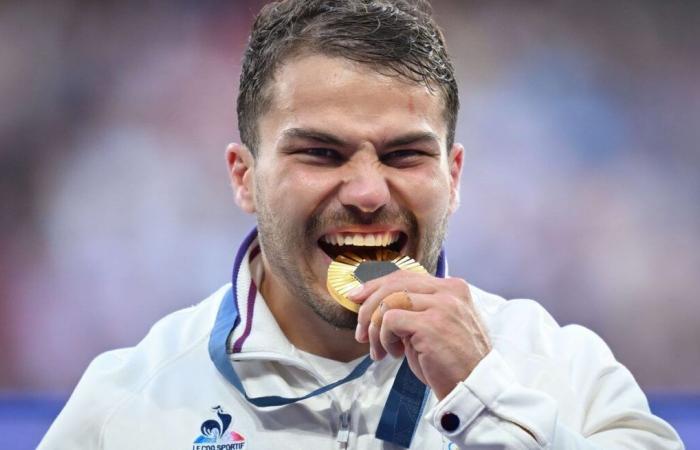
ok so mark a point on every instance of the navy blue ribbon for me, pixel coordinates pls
(407, 397)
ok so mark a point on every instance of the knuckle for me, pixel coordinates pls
(458, 284)
(459, 288)
(389, 318)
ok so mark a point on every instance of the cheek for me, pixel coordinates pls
(428, 195)
(299, 192)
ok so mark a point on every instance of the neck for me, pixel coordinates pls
(305, 329)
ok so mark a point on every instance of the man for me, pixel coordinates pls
(347, 113)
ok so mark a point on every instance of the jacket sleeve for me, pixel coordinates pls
(80, 423)
(493, 407)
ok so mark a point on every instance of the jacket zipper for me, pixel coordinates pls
(344, 431)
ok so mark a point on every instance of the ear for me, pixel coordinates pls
(456, 159)
(241, 170)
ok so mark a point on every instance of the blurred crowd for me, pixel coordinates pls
(581, 122)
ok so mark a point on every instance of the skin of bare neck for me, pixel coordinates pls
(304, 328)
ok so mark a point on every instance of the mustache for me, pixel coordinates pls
(353, 216)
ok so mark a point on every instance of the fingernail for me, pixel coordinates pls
(355, 292)
(357, 332)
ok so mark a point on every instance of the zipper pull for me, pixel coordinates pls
(344, 431)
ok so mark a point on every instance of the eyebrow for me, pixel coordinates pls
(413, 138)
(327, 138)
(314, 135)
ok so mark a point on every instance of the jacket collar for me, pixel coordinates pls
(256, 334)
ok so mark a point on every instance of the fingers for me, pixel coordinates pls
(393, 326)
(382, 342)
(376, 352)
(431, 321)
(373, 292)
(396, 300)
(396, 329)
(404, 298)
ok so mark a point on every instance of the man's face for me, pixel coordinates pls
(348, 156)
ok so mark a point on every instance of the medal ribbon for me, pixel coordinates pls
(407, 397)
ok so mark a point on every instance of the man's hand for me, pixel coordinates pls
(441, 334)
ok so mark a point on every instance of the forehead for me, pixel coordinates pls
(350, 99)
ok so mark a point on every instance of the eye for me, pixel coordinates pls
(403, 158)
(320, 155)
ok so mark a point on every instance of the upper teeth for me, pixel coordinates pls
(364, 239)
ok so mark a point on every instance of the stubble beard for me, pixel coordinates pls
(279, 244)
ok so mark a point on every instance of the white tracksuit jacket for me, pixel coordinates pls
(542, 387)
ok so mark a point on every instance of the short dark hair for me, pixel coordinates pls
(394, 37)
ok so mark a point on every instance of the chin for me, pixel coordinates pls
(332, 312)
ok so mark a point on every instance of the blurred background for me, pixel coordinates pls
(581, 122)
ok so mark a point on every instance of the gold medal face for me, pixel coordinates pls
(349, 271)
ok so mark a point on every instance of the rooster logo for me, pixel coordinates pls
(217, 431)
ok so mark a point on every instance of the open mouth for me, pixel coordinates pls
(365, 245)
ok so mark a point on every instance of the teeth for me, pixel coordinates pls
(362, 239)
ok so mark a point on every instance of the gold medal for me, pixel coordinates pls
(349, 271)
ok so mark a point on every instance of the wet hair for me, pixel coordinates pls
(393, 37)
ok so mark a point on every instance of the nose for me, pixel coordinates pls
(364, 186)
